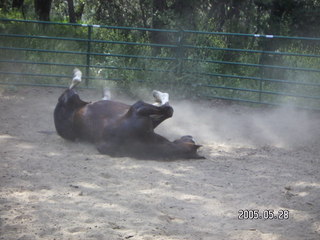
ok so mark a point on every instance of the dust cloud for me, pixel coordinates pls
(237, 125)
(242, 126)
(234, 125)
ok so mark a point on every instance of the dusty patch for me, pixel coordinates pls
(55, 189)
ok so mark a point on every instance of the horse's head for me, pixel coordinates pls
(188, 148)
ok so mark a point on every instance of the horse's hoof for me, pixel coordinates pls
(77, 74)
(160, 97)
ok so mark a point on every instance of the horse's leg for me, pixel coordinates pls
(106, 94)
(157, 114)
(111, 148)
(167, 113)
(77, 74)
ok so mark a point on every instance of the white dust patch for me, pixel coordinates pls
(235, 125)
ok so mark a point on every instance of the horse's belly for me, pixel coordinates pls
(91, 120)
(87, 126)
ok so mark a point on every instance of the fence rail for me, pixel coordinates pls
(253, 68)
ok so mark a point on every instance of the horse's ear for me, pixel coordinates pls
(195, 154)
(197, 146)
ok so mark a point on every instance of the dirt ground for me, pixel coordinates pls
(256, 159)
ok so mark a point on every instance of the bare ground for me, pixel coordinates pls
(255, 159)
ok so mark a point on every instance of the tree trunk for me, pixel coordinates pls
(17, 4)
(72, 15)
(185, 11)
(42, 9)
(143, 12)
(159, 6)
(79, 11)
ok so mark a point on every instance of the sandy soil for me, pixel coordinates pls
(255, 159)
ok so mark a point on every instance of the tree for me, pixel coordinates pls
(4, 6)
(17, 4)
(72, 15)
(184, 12)
(79, 10)
(42, 9)
(158, 22)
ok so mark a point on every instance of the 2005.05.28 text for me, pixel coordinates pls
(268, 214)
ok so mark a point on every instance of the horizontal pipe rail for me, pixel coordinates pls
(252, 35)
(55, 76)
(190, 84)
(92, 53)
(258, 102)
(255, 78)
(258, 91)
(253, 51)
(168, 71)
(88, 40)
(158, 45)
(253, 65)
(83, 66)
(90, 25)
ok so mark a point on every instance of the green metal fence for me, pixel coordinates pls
(253, 68)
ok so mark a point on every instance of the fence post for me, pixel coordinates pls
(262, 68)
(260, 84)
(179, 53)
(88, 55)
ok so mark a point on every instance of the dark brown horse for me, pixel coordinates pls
(119, 129)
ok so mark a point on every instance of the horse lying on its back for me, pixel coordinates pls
(119, 129)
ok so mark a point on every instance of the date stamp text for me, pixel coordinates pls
(267, 214)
